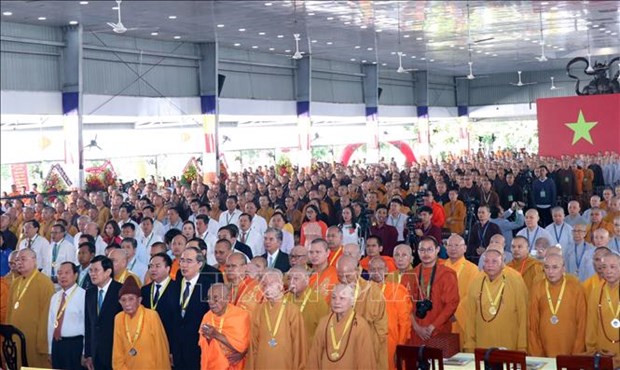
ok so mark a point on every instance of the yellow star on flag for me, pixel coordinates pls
(581, 129)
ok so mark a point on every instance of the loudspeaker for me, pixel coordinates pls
(220, 83)
(379, 91)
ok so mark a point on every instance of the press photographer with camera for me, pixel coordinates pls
(435, 293)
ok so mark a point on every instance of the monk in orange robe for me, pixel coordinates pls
(245, 291)
(177, 246)
(466, 272)
(403, 258)
(398, 307)
(278, 332)
(323, 277)
(334, 242)
(603, 325)
(224, 332)
(4, 300)
(530, 269)
(374, 249)
(352, 347)
(436, 284)
(557, 312)
(596, 280)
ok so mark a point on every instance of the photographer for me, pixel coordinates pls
(506, 225)
(434, 292)
(425, 227)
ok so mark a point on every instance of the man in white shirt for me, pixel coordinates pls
(174, 220)
(93, 230)
(250, 236)
(231, 215)
(36, 242)
(396, 218)
(532, 231)
(258, 222)
(124, 213)
(134, 265)
(561, 232)
(65, 325)
(82, 221)
(149, 238)
(158, 227)
(209, 238)
(60, 251)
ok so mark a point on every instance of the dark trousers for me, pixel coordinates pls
(67, 353)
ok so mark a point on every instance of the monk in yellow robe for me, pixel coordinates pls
(120, 260)
(4, 300)
(398, 307)
(224, 332)
(324, 276)
(530, 268)
(557, 312)
(310, 303)
(140, 341)
(29, 304)
(603, 326)
(343, 339)
(596, 280)
(369, 304)
(245, 291)
(13, 273)
(496, 308)
(278, 333)
(466, 272)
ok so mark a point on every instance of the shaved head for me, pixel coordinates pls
(347, 270)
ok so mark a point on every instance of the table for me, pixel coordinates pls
(549, 362)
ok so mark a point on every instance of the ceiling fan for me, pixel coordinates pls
(93, 144)
(553, 87)
(590, 69)
(542, 57)
(471, 75)
(400, 64)
(118, 27)
(521, 83)
(297, 55)
(471, 42)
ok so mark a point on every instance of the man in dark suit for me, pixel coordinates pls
(191, 300)
(86, 252)
(159, 295)
(230, 233)
(206, 268)
(274, 256)
(101, 305)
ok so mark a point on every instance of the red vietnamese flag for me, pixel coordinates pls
(578, 125)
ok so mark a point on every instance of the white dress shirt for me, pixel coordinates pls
(105, 290)
(39, 245)
(143, 251)
(254, 239)
(138, 268)
(100, 246)
(66, 252)
(76, 240)
(399, 223)
(259, 223)
(288, 242)
(73, 321)
(272, 258)
(227, 218)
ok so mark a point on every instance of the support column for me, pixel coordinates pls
(207, 70)
(423, 150)
(370, 83)
(72, 106)
(304, 123)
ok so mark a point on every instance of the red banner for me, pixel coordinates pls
(19, 172)
(578, 125)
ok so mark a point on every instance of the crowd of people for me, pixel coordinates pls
(325, 268)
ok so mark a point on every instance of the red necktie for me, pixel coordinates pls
(61, 318)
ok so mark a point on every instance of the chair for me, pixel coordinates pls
(595, 362)
(409, 358)
(495, 358)
(9, 347)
